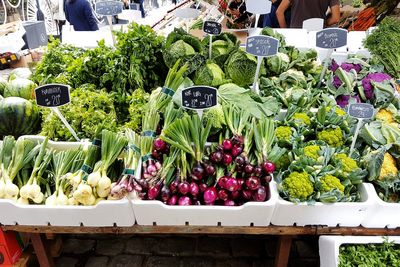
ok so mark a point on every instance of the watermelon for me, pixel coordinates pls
(3, 84)
(20, 73)
(20, 87)
(18, 117)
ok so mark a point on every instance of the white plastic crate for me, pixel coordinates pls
(329, 246)
(383, 214)
(150, 212)
(57, 145)
(331, 214)
(105, 213)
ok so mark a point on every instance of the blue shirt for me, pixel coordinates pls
(79, 13)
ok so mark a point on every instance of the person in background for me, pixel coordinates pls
(302, 10)
(79, 14)
(270, 20)
(237, 8)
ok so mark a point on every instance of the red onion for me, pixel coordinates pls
(203, 187)
(184, 201)
(268, 166)
(172, 200)
(153, 191)
(156, 154)
(159, 144)
(227, 144)
(253, 183)
(248, 169)
(240, 161)
(223, 194)
(222, 181)
(227, 159)
(152, 169)
(198, 172)
(246, 194)
(216, 156)
(210, 195)
(210, 170)
(184, 188)
(232, 184)
(268, 178)
(260, 195)
(236, 151)
(194, 189)
(165, 193)
(238, 140)
(257, 171)
(235, 194)
(174, 186)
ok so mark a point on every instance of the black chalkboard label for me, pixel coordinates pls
(262, 46)
(331, 38)
(52, 95)
(199, 97)
(109, 8)
(212, 27)
(361, 110)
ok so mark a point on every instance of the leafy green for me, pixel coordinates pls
(138, 101)
(88, 110)
(210, 74)
(372, 255)
(384, 45)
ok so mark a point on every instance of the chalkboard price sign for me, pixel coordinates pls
(262, 46)
(212, 27)
(52, 95)
(109, 8)
(361, 110)
(331, 38)
(199, 97)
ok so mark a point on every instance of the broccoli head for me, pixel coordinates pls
(333, 137)
(301, 118)
(348, 164)
(283, 133)
(312, 151)
(330, 182)
(298, 185)
(389, 168)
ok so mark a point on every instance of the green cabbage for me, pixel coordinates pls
(20, 73)
(210, 74)
(241, 68)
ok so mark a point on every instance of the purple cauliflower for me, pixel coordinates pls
(350, 66)
(343, 100)
(334, 66)
(375, 77)
(336, 81)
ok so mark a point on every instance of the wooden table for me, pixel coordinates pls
(285, 233)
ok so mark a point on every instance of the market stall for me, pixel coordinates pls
(201, 131)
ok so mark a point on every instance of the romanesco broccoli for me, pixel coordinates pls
(298, 185)
(283, 133)
(312, 151)
(348, 164)
(301, 118)
(338, 111)
(333, 137)
(389, 168)
(330, 182)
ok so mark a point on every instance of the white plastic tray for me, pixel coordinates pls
(105, 213)
(383, 214)
(149, 212)
(343, 214)
(329, 246)
(57, 145)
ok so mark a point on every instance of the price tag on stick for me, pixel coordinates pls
(261, 46)
(211, 28)
(360, 111)
(109, 9)
(53, 96)
(199, 98)
(330, 39)
(258, 8)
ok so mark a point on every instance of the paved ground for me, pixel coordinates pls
(182, 251)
